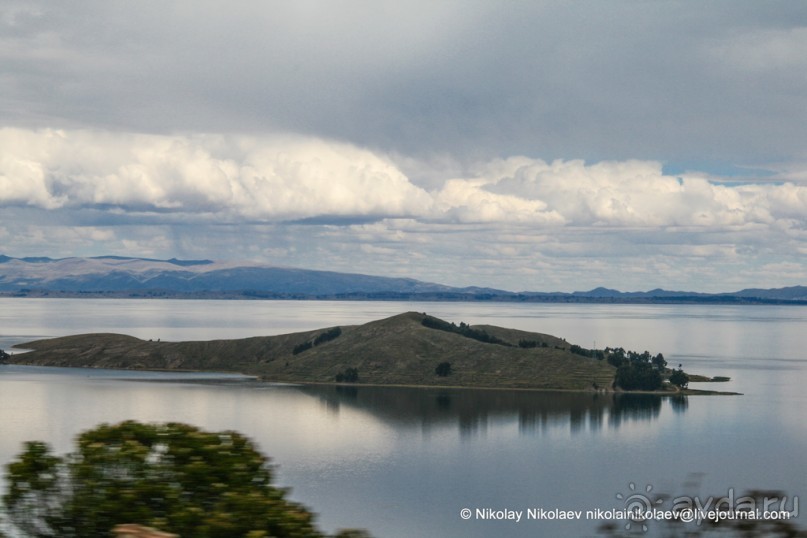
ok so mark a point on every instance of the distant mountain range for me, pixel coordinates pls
(119, 276)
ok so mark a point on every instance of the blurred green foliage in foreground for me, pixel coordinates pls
(173, 477)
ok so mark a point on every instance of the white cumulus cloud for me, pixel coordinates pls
(238, 178)
(637, 194)
(280, 178)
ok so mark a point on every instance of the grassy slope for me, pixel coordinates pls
(393, 351)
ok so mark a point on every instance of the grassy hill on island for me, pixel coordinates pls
(401, 350)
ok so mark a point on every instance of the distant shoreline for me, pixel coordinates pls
(238, 376)
(414, 297)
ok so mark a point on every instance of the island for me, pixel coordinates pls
(409, 349)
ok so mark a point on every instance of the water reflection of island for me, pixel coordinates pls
(474, 410)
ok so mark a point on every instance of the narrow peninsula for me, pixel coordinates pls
(410, 349)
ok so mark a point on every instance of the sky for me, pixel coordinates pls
(523, 145)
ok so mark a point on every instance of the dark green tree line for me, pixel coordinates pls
(327, 336)
(349, 375)
(463, 329)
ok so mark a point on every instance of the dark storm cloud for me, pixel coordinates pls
(596, 80)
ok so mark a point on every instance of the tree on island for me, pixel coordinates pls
(634, 371)
(350, 375)
(443, 369)
(638, 376)
(174, 477)
(679, 378)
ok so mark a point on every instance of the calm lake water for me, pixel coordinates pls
(405, 462)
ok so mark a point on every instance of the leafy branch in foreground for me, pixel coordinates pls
(174, 477)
